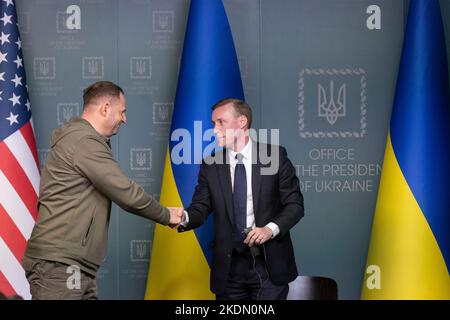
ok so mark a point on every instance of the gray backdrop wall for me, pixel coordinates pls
(295, 56)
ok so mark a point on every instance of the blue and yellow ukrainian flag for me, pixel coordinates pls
(411, 231)
(209, 72)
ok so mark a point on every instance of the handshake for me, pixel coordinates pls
(176, 217)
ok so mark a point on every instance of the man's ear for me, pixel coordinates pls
(243, 121)
(104, 108)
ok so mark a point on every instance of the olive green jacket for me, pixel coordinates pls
(78, 183)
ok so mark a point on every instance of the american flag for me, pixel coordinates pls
(19, 167)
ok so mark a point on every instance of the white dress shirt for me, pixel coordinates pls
(247, 160)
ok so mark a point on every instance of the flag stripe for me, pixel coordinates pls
(5, 287)
(198, 89)
(19, 148)
(410, 243)
(28, 134)
(11, 235)
(175, 276)
(420, 125)
(403, 245)
(15, 174)
(14, 206)
(19, 162)
(13, 271)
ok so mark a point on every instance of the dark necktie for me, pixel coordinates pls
(240, 203)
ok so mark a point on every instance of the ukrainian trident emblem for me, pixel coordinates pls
(332, 107)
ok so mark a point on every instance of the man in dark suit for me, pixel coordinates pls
(254, 194)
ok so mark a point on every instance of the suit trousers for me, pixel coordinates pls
(249, 280)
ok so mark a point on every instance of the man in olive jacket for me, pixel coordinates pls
(78, 183)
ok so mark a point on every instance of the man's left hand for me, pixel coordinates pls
(258, 236)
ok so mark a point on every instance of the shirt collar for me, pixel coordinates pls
(246, 151)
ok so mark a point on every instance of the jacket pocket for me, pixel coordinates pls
(88, 231)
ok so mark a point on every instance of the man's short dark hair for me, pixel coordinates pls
(100, 89)
(241, 108)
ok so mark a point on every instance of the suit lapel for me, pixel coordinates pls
(223, 171)
(256, 178)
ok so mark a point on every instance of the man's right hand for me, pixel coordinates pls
(176, 216)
